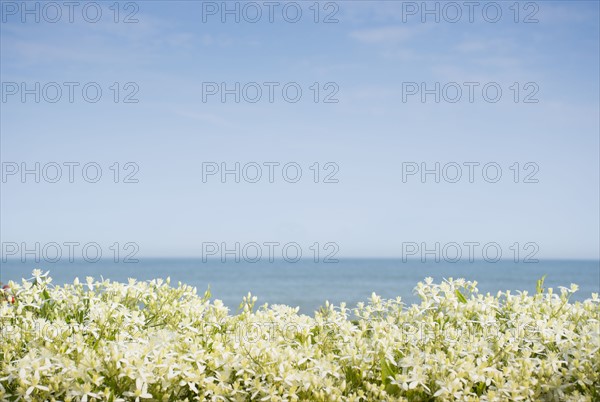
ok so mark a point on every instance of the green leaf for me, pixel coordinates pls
(207, 294)
(460, 296)
(539, 287)
(388, 370)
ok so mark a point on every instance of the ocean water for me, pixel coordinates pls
(308, 285)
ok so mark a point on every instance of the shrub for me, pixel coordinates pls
(103, 340)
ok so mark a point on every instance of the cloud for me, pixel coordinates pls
(361, 12)
(385, 35)
(488, 45)
(470, 46)
(495, 55)
(209, 118)
(88, 46)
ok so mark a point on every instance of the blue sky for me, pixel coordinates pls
(368, 133)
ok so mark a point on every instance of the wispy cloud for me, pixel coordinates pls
(386, 35)
(488, 45)
(209, 118)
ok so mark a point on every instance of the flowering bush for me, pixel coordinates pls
(150, 341)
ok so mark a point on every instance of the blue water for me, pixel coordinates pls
(308, 285)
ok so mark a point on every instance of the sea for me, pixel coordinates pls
(308, 285)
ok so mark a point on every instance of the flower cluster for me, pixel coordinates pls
(150, 341)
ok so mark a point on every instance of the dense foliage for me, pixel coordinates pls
(151, 341)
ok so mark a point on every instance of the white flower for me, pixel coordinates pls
(104, 341)
(141, 391)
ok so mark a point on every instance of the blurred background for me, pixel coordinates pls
(305, 150)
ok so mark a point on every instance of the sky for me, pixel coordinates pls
(331, 110)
